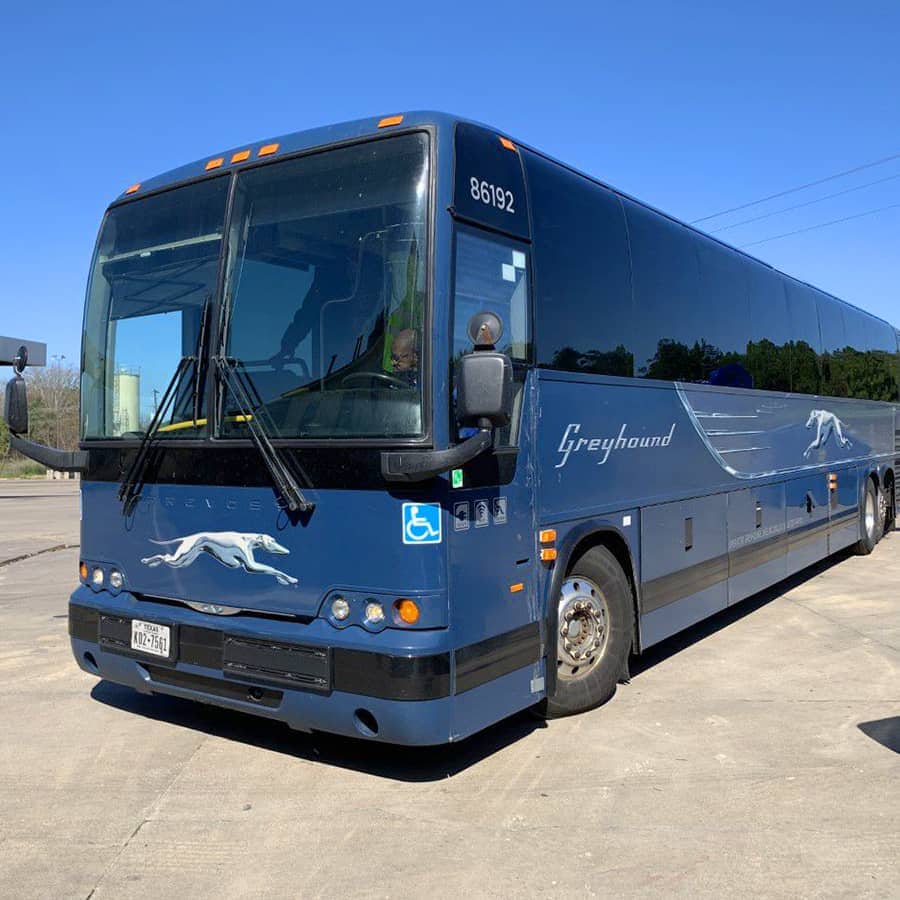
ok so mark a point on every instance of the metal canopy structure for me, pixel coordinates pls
(9, 349)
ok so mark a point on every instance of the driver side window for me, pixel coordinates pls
(492, 275)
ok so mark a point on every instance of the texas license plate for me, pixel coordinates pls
(150, 637)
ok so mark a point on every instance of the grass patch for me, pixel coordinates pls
(21, 468)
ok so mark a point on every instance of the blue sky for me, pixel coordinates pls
(692, 107)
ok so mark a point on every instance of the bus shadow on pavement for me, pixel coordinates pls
(885, 731)
(411, 764)
(722, 620)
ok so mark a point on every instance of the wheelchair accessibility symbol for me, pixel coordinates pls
(421, 523)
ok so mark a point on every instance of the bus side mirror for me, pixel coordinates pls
(484, 389)
(15, 407)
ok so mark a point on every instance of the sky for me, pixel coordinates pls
(692, 107)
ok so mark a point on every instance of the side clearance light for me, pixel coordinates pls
(517, 588)
(407, 611)
(547, 536)
(548, 554)
(267, 150)
(240, 156)
(214, 163)
(832, 481)
(387, 121)
(507, 143)
(133, 189)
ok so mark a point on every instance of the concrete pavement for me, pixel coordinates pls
(756, 755)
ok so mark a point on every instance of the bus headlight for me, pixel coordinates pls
(116, 579)
(340, 609)
(374, 613)
(97, 577)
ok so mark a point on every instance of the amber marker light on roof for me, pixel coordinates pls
(133, 189)
(215, 163)
(267, 150)
(387, 121)
(506, 142)
(240, 156)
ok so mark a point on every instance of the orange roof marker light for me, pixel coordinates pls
(134, 188)
(267, 150)
(240, 156)
(506, 142)
(214, 163)
(387, 121)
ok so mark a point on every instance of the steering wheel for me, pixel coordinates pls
(374, 376)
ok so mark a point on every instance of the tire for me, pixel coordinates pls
(870, 524)
(596, 608)
(890, 507)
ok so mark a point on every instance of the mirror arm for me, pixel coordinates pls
(60, 460)
(420, 465)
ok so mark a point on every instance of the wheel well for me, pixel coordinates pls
(616, 545)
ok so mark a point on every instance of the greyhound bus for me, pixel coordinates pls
(396, 427)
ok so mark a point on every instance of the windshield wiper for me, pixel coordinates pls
(132, 483)
(250, 413)
(130, 488)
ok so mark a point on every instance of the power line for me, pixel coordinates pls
(868, 212)
(785, 209)
(802, 187)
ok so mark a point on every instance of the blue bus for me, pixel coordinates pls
(396, 427)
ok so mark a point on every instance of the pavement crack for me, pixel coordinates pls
(147, 817)
(22, 557)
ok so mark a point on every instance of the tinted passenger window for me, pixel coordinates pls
(691, 301)
(805, 341)
(769, 349)
(834, 342)
(881, 373)
(583, 305)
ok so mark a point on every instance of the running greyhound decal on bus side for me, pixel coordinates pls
(827, 423)
(231, 548)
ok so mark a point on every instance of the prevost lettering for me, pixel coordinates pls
(572, 443)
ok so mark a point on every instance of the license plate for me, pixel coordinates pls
(149, 637)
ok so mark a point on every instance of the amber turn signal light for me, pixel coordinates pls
(548, 554)
(83, 570)
(407, 611)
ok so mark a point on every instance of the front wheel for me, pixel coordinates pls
(871, 521)
(593, 636)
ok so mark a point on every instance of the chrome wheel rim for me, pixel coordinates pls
(870, 514)
(583, 634)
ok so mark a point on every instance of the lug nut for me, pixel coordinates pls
(567, 645)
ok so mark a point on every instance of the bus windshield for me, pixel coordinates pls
(154, 270)
(324, 300)
(326, 293)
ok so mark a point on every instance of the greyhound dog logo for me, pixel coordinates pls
(826, 424)
(231, 548)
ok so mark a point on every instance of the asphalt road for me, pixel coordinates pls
(756, 755)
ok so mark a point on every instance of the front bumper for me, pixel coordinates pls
(312, 676)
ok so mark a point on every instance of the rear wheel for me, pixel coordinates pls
(871, 522)
(593, 637)
(889, 505)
